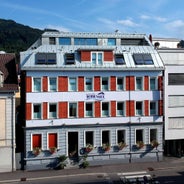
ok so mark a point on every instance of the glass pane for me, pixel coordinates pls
(52, 111)
(37, 111)
(88, 84)
(94, 58)
(65, 41)
(138, 108)
(100, 58)
(105, 85)
(121, 136)
(120, 109)
(120, 84)
(89, 109)
(139, 83)
(73, 110)
(37, 84)
(52, 84)
(153, 135)
(152, 108)
(152, 84)
(111, 41)
(73, 85)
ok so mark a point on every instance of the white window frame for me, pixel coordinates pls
(31, 146)
(142, 83)
(125, 138)
(33, 82)
(76, 83)
(50, 103)
(141, 109)
(91, 83)
(108, 109)
(92, 109)
(156, 83)
(93, 137)
(143, 135)
(40, 111)
(123, 79)
(56, 84)
(76, 110)
(156, 108)
(150, 134)
(117, 108)
(97, 61)
(103, 89)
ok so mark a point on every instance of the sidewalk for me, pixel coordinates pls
(20, 175)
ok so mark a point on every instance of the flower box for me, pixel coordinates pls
(140, 144)
(89, 148)
(52, 150)
(154, 144)
(106, 147)
(36, 151)
(121, 145)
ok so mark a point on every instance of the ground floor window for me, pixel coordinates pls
(139, 136)
(153, 135)
(121, 136)
(89, 138)
(105, 137)
(36, 141)
(52, 140)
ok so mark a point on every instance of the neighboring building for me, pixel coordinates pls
(174, 100)
(8, 87)
(98, 89)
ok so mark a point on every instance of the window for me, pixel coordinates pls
(52, 140)
(105, 83)
(36, 111)
(89, 109)
(52, 40)
(120, 83)
(105, 109)
(36, 141)
(89, 84)
(52, 111)
(65, 41)
(73, 110)
(139, 83)
(153, 135)
(119, 59)
(36, 84)
(85, 41)
(176, 78)
(97, 58)
(139, 136)
(52, 84)
(111, 41)
(153, 83)
(89, 138)
(45, 58)
(121, 136)
(105, 137)
(134, 41)
(153, 108)
(70, 58)
(143, 59)
(120, 109)
(139, 109)
(72, 84)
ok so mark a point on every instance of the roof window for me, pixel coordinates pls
(46, 58)
(119, 59)
(143, 59)
(70, 58)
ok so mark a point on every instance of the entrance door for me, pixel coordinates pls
(73, 144)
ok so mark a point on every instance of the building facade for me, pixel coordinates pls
(174, 104)
(94, 93)
(8, 87)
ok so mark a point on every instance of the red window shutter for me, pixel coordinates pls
(63, 109)
(85, 56)
(45, 110)
(97, 83)
(146, 108)
(36, 140)
(130, 108)
(81, 83)
(160, 109)
(28, 84)
(97, 109)
(45, 83)
(130, 83)
(160, 83)
(81, 109)
(108, 56)
(62, 83)
(146, 83)
(113, 108)
(113, 83)
(52, 140)
(28, 111)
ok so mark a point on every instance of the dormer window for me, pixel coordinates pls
(142, 59)
(1, 79)
(70, 58)
(119, 59)
(45, 58)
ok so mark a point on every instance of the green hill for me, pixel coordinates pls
(15, 37)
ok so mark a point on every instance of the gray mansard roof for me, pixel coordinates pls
(127, 45)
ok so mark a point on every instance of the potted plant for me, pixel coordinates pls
(52, 150)
(106, 147)
(121, 145)
(140, 144)
(84, 163)
(61, 162)
(154, 144)
(89, 148)
(36, 151)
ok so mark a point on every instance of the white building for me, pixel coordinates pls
(97, 89)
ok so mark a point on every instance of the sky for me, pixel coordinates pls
(161, 18)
